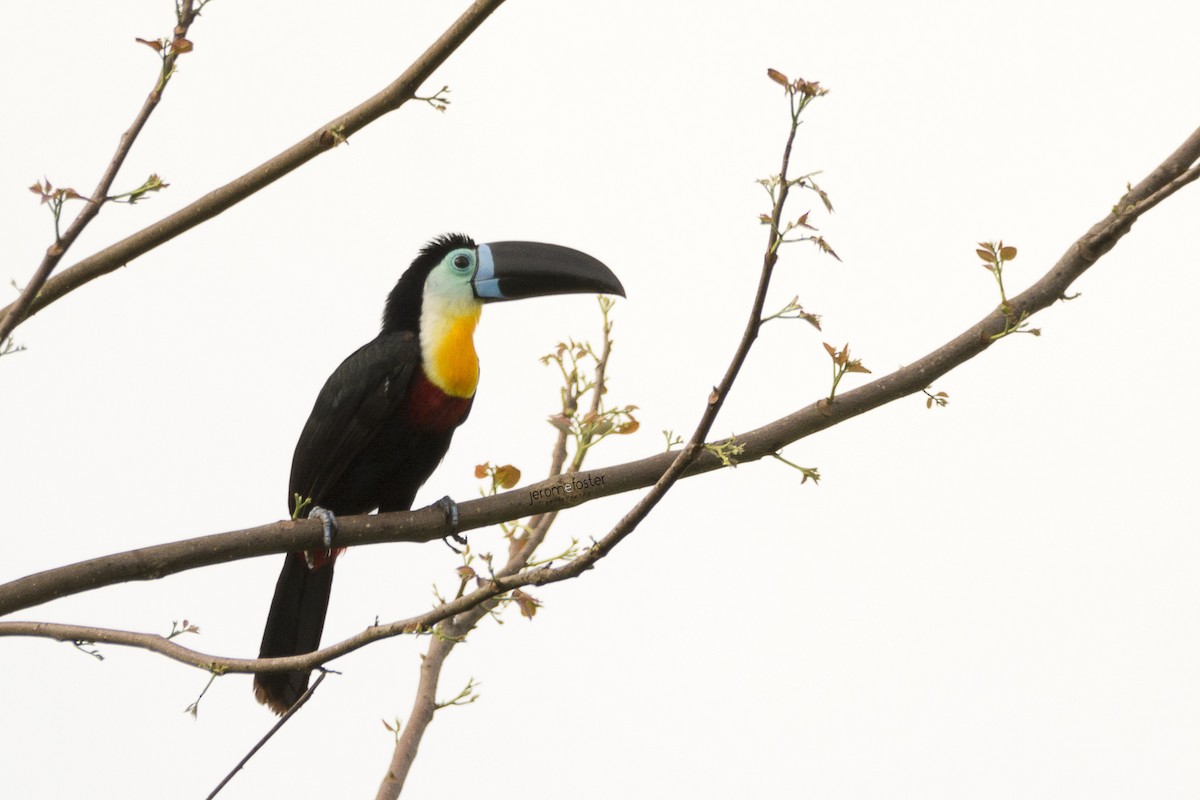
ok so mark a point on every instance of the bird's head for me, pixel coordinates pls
(458, 276)
(441, 295)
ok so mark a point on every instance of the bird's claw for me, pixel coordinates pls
(450, 510)
(328, 523)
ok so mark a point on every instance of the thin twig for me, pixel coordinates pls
(215, 202)
(455, 628)
(274, 729)
(716, 399)
(427, 525)
(17, 310)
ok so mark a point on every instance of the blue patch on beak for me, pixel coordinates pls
(485, 283)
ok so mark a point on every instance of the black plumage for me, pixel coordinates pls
(376, 433)
(380, 425)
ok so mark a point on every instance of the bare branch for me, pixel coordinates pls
(210, 205)
(291, 712)
(799, 95)
(429, 524)
(30, 298)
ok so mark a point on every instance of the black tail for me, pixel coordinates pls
(293, 628)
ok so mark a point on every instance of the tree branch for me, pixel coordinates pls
(210, 205)
(155, 643)
(291, 712)
(548, 496)
(25, 302)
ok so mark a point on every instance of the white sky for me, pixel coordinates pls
(997, 599)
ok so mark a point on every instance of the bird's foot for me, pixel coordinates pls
(450, 509)
(329, 524)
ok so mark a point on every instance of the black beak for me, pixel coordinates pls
(513, 270)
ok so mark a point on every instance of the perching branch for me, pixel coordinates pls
(29, 300)
(210, 205)
(1176, 171)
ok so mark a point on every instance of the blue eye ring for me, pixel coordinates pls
(462, 262)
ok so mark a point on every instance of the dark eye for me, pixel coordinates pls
(461, 262)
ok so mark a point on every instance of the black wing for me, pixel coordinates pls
(357, 401)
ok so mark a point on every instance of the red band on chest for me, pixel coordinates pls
(429, 408)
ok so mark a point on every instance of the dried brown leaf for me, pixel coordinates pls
(507, 476)
(527, 604)
(820, 242)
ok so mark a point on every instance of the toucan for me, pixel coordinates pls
(385, 417)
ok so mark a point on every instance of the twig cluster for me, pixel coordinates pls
(1177, 171)
(479, 594)
(32, 295)
(44, 289)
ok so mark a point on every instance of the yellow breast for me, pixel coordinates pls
(449, 350)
